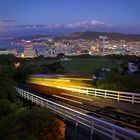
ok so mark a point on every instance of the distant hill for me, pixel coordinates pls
(90, 35)
(32, 37)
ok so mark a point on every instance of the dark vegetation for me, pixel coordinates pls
(28, 68)
(120, 82)
(27, 124)
(20, 120)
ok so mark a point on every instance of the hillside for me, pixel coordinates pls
(90, 35)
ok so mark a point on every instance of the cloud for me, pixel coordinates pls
(87, 24)
(81, 24)
(10, 26)
(8, 20)
(6, 24)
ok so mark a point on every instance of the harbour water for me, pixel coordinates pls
(8, 45)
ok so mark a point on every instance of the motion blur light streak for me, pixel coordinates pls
(58, 84)
(74, 89)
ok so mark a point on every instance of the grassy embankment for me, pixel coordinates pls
(88, 65)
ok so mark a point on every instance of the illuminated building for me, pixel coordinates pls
(29, 52)
(105, 45)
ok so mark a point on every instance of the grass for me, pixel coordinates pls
(88, 65)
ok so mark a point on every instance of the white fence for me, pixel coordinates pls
(110, 94)
(109, 130)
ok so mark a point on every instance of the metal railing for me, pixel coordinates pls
(110, 94)
(96, 125)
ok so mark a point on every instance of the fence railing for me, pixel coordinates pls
(110, 94)
(94, 125)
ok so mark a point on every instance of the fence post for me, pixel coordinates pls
(41, 103)
(113, 134)
(118, 96)
(36, 101)
(133, 98)
(64, 115)
(55, 110)
(92, 130)
(32, 99)
(87, 91)
(95, 92)
(105, 93)
(76, 126)
(20, 93)
(47, 105)
(25, 95)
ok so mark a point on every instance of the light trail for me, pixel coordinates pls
(67, 99)
(60, 80)
(73, 89)
(76, 96)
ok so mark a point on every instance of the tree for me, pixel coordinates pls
(6, 107)
(7, 59)
(36, 123)
(7, 88)
(116, 81)
(39, 122)
(3, 93)
(21, 73)
(6, 71)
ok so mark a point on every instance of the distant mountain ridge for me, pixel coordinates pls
(91, 35)
(88, 35)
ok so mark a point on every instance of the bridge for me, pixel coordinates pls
(92, 124)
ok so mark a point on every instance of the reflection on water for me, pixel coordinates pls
(7, 44)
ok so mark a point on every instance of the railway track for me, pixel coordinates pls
(109, 114)
(125, 120)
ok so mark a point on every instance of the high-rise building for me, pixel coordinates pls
(29, 52)
(105, 45)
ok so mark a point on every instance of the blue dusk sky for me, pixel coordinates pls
(106, 15)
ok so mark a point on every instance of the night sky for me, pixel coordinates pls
(73, 13)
